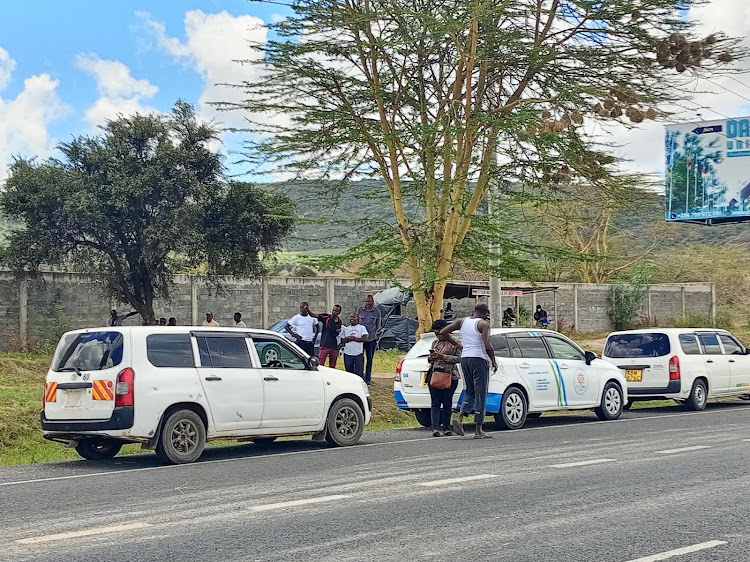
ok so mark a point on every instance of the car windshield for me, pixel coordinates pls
(623, 346)
(92, 351)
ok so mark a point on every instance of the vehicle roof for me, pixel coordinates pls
(667, 331)
(173, 329)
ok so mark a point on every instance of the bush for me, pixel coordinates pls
(691, 320)
(625, 299)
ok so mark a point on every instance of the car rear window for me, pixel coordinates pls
(528, 348)
(422, 347)
(623, 346)
(170, 350)
(500, 344)
(91, 351)
(710, 343)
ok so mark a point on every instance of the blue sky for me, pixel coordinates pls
(67, 66)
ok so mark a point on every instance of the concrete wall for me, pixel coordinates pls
(35, 312)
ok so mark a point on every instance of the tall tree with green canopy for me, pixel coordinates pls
(443, 99)
(137, 203)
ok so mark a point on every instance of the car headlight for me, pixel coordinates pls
(365, 388)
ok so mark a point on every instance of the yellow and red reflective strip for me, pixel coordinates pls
(102, 390)
(50, 392)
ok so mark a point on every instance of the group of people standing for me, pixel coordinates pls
(116, 319)
(359, 337)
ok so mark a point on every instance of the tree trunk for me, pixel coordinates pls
(429, 303)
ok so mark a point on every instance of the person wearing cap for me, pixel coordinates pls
(209, 321)
(476, 357)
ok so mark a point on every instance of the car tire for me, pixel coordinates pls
(263, 440)
(424, 417)
(610, 407)
(513, 409)
(345, 423)
(270, 353)
(698, 396)
(98, 449)
(182, 438)
(533, 415)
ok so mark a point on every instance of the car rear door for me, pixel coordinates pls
(581, 381)
(232, 385)
(739, 363)
(294, 395)
(717, 364)
(82, 378)
(533, 364)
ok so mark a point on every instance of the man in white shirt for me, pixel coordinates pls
(353, 337)
(238, 323)
(302, 327)
(209, 321)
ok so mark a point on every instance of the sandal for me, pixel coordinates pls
(457, 427)
(436, 434)
(482, 436)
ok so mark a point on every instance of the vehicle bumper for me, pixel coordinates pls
(673, 388)
(122, 418)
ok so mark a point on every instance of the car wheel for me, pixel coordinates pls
(182, 438)
(533, 415)
(270, 353)
(698, 396)
(263, 440)
(610, 408)
(98, 449)
(512, 414)
(424, 417)
(345, 423)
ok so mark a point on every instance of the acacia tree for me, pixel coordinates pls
(137, 203)
(443, 99)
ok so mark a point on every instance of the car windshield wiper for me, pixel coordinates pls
(65, 369)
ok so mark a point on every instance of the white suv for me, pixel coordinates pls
(174, 388)
(689, 365)
(538, 371)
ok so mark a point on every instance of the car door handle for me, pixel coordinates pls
(213, 378)
(731, 360)
(564, 367)
(270, 378)
(709, 361)
(524, 366)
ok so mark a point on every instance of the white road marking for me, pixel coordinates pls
(341, 450)
(581, 463)
(746, 439)
(84, 533)
(448, 481)
(683, 449)
(679, 551)
(295, 503)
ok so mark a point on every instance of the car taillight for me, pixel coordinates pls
(124, 387)
(674, 369)
(44, 396)
(398, 370)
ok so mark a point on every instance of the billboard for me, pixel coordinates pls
(708, 171)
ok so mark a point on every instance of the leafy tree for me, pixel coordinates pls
(136, 203)
(441, 99)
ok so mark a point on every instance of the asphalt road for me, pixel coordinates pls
(657, 484)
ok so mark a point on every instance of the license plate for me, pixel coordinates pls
(424, 379)
(634, 375)
(73, 398)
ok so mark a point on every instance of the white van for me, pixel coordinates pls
(537, 371)
(689, 365)
(174, 388)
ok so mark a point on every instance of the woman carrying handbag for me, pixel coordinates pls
(443, 378)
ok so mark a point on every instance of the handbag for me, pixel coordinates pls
(440, 379)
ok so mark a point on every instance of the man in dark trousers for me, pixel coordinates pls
(476, 356)
(370, 318)
(329, 343)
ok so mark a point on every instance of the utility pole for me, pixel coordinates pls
(496, 290)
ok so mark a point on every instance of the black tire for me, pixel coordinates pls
(698, 396)
(424, 417)
(263, 440)
(98, 449)
(345, 423)
(182, 438)
(610, 407)
(533, 415)
(271, 353)
(513, 409)
(628, 405)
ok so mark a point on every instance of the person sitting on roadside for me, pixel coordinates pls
(540, 317)
(444, 358)
(509, 318)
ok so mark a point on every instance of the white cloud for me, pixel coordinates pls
(119, 92)
(24, 120)
(213, 44)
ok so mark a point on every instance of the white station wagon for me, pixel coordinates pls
(538, 371)
(173, 388)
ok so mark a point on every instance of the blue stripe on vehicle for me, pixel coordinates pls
(493, 402)
(461, 398)
(400, 400)
(562, 382)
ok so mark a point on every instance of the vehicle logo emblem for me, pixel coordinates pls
(581, 384)
(86, 376)
(73, 377)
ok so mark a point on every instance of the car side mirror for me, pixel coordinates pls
(312, 363)
(590, 356)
